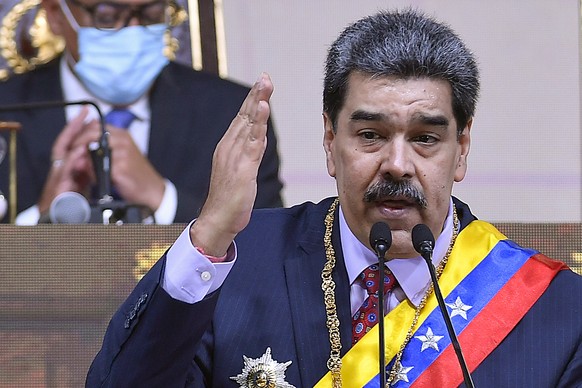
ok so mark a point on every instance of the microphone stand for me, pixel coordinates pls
(380, 241)
(100, 154)
(381, 310)
(426, 253)
(103, 150)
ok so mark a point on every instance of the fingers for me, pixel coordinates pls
(90, 133)
(66, 138)
(258, 130)
(254, 112)
(261, 90)
(70, 174)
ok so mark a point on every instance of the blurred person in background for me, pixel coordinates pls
(172, 116)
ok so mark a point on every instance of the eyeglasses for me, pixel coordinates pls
(115, 16)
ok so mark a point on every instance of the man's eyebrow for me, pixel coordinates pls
(428, 119)
(362, 115)
(437, 120)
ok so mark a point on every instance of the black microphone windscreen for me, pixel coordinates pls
(380, 233)
(421, 235)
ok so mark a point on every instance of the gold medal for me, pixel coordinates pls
(263, 372)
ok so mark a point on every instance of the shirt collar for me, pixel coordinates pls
(74, 90)
(412, 274)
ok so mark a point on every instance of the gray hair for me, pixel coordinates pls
(405, 44)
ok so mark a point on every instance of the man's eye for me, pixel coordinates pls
(427, 139)
(369, 135)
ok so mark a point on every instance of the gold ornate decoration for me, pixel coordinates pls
(263, 372)
(146, 258)
(176, 15)
(577, 260)
(46, 44)
(334, 362)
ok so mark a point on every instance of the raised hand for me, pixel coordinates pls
(235, 165)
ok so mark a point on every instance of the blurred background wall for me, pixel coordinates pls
(525, 162)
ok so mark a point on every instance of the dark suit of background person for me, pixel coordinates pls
(189, 113)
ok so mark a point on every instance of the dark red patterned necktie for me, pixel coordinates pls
(367, 315)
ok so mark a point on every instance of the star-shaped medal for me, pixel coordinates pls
(263, 372)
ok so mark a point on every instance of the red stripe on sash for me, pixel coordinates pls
(493, 323)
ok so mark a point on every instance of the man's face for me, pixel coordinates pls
(87, 12)
(402, 131)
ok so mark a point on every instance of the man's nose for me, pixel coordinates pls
(397, 159)
(134, 19)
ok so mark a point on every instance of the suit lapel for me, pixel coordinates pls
(303, 276)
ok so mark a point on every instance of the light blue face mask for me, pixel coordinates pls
(120, 66)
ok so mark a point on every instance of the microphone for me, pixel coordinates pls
(106, 210)
(380, 238)
(423, 242)
(101, 154)
(380, 241)
(3, 202)
(3, 205)
(69, 207)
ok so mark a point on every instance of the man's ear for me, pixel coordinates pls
(328, 144)
(464, 141)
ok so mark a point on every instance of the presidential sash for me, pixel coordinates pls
(489, 284)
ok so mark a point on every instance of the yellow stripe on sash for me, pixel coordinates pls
(360, 363)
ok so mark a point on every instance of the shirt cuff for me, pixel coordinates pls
(189, 276)
(167, 210)
(29, 216)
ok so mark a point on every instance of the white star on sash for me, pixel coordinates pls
(429, 340)
(459, 308)
(402, 373)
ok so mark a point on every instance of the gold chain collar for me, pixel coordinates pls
(334, 363)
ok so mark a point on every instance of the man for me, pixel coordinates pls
(114, 56)
(399, 96)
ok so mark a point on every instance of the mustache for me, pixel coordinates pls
(389, 189)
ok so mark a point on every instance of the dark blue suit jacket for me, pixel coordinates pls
(190, 111)
(273, 298)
